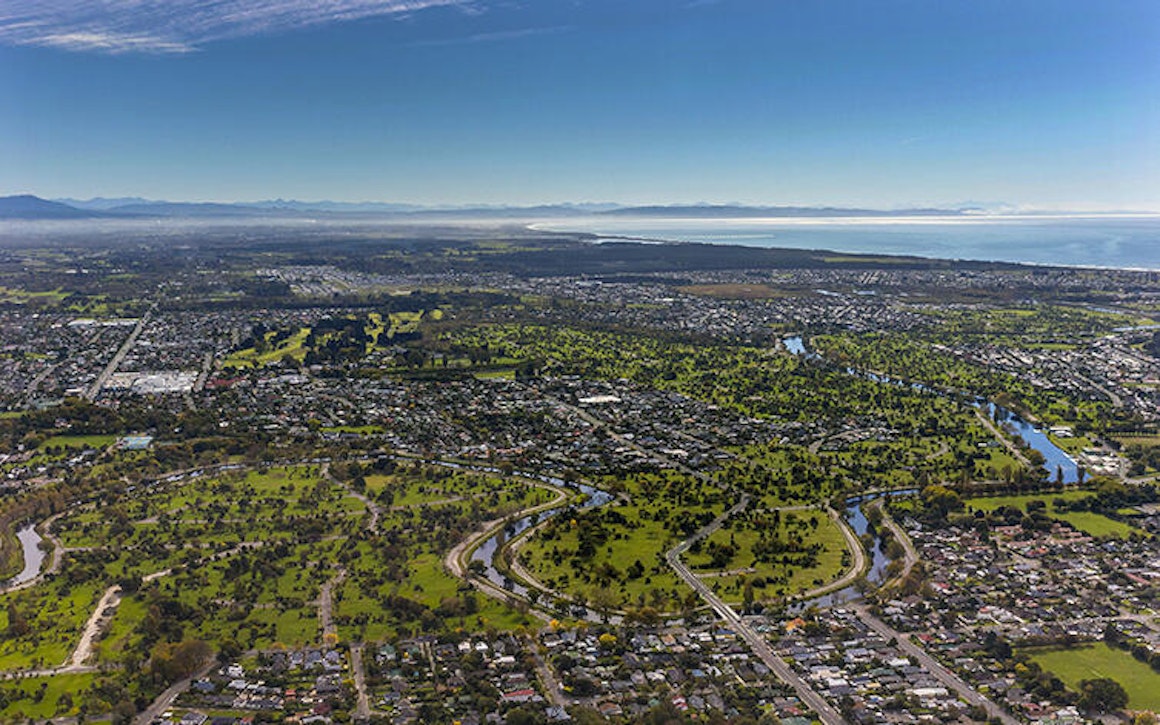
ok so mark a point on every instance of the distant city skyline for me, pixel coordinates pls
(450, 102)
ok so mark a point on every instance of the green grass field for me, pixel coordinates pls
(1097, 524)
(23, 700)
(782, 580)
(496, 375)
(1085, 521)
(646, 541)
(1141, 439)
(55, 614)
(12, 295)
(1072, 444)
(1087, 662)
(90, 441)
(291, 347)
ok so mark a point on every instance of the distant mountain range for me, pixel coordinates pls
(27, 206)
(32, 207)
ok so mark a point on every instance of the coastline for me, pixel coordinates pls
(1065, 241)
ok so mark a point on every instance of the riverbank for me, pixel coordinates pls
(32, 539)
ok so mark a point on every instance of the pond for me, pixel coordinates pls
(795, 345)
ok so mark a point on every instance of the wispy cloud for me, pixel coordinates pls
(178, 26)
(494, 37)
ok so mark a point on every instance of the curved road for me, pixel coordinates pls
(371, 506)
(854, 544)
(909, 554)
(456, 558)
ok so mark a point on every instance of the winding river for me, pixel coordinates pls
(1036, 439)
(487, 551)
(34, 556)
(1055, 458)
(876, 572)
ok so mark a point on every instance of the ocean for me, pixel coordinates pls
(1126, 242)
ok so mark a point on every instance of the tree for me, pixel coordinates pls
(1112, 634)
(940, 500)
(1102, 695)
(524, 716)
(171, 662)
(17, 622)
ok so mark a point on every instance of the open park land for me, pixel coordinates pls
(501, 475)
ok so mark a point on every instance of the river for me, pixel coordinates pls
(858, 521)
(1055, 458)
(876, 572)
(33, 555)
(486, 552)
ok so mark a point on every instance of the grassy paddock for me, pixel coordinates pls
(89, 441)
(1090, 523)
(1146, 439)
(24, 702)
(362, 430)
(1092, 661)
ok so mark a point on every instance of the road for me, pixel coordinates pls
(206, 369)
(909, 555)
(1116, 400)
(949, 679)
(371, 506)
(30, 389)
(326, 608)
(825, 711)
(529, 580)
(97, 621)
(456, 559)
(95, 389)
(166, 699)
(362, 708)
(199, 384)
(547, 679)
(84, 650)
(854, 544)
(1002, 438)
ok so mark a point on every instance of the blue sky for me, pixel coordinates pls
(885, 103)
